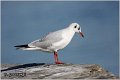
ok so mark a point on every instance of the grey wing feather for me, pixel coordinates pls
(48, 40)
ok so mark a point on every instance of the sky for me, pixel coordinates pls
(25, 21)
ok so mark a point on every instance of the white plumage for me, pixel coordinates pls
(54, 41)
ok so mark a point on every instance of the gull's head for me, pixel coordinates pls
(77, 28)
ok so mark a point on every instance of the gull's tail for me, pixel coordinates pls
(22, 46)
(26, 47)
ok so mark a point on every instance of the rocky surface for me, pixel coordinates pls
(53, 71)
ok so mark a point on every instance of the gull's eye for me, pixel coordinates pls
(75, 26)
(79, 28)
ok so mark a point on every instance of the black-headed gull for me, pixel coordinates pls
(54, 41)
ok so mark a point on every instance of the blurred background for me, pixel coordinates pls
(25, 21)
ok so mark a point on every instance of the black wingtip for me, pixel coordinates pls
(26, 46)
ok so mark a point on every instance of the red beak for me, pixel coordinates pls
(81, 34)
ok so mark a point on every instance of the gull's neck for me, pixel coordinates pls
(69, 32)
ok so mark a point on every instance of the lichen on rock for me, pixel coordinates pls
(53, 71)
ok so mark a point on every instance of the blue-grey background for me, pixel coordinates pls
(23, 22)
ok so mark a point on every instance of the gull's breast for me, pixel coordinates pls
(66, 38)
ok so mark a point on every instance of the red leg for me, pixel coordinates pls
(56, 58)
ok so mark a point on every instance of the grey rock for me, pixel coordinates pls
(53, 71)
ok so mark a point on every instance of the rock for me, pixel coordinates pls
(53, 71)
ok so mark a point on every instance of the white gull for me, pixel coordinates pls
(54, 41)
